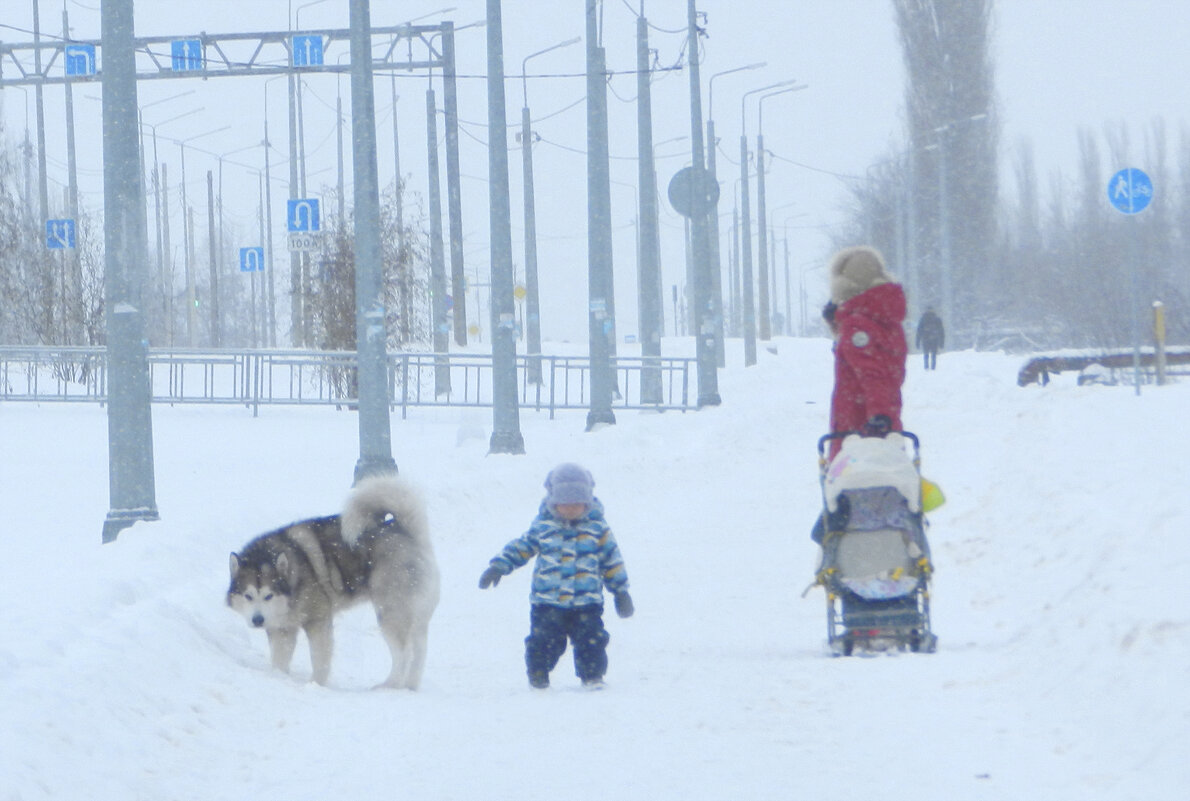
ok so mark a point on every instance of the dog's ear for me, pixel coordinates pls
(282, 565)
(235, 565)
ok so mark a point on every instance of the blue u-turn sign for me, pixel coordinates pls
(1130, 190)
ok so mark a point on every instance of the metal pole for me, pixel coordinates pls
(788, 308)
(43, 194)
(533, 323)
(191, 295)
(406, 289)
(600, 309)
(268, 215)
(736, 325)
(649, 280)
(762, 277)
(216, 340)
(746, 255)
(375, 439)
(130, 423)
(295, 264)
(706, 307)
(716, 257)
(454, 199)
(339, 152)
(440, 326)
(72, 197)
(167, 250)
(506, 423)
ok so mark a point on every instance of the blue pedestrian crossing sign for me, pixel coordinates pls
(185, 55)
(252, 260)
(79, 59)
(302, 216)
(1130, 190)
(306, 51)
(59, 234)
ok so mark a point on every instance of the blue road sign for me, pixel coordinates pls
(302, 216)
(80, 59)
(186, 55)
(1130, 190)
(306, 51)
(252, 260)
(59, 234)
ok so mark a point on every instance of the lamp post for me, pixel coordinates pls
(746, 228)
(220, 266)
(270, 291)
(191, 296)
(716, 260)
(532, 298)
(762, 216)
(160, 217)
(785, 243)
(707, 308)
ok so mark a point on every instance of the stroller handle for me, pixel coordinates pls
(825, 438)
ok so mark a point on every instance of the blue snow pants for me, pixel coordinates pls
(549, 628)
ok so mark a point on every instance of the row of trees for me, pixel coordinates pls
(1059, 268)
(56, 297)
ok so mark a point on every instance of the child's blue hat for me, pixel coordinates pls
(570, 483)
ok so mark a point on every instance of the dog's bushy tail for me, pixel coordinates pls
(373, 499)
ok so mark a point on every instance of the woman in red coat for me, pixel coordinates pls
(870, 347)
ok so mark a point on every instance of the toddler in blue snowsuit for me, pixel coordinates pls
(577, 557)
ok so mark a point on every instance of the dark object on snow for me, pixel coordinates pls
(1038, 369)
(878, 425)
(931, 337)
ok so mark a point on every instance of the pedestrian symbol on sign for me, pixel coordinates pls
(1130, 190)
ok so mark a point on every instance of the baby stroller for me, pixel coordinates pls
(875, 565)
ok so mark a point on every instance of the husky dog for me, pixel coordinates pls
(299, 576)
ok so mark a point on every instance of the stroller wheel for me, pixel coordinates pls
(923, 643)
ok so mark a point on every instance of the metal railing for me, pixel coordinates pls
(254, 378)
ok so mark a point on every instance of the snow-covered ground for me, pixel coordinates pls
(1062, 555)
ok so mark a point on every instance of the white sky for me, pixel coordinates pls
(1060, 64)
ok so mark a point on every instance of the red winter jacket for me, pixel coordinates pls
(870, 355)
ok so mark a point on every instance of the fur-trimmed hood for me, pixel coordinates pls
(855, 270)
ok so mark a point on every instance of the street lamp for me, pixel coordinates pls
(785, 243)
(746, 233)
(716, 260)
(762, 216)
(219, 204)
(191, 308)
(533, 303)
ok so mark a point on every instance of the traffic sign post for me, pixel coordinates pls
(306, 51)
(693, 192)
(79, 59)
(302, 215)
(1130, 191)
(252, 260)
(59, 234)
(185, 55)
(304, 221)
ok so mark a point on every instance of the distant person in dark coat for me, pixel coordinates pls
(930, 337)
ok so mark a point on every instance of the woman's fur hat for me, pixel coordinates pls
(855, 270)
